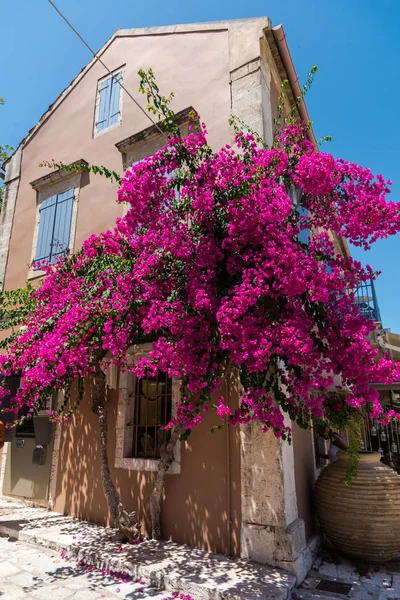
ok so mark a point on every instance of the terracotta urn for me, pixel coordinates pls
(361, 519)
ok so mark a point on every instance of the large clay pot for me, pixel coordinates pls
(361, 519)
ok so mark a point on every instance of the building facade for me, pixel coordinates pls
(240, 492)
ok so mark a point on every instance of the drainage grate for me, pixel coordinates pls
(334, 587)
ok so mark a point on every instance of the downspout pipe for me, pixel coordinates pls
(283, 48)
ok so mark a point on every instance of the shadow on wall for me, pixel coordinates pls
(198, 508)
(303, 448)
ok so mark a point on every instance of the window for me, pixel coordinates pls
(295, 193)
(144, 408)
(148, 141)
(152, 411)
(108, 104)
(55, 216)
(304, 235)
(11, 384)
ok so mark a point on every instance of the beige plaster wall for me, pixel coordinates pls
(202, 499)
(197, 506)
(217, 72)
(194, 65)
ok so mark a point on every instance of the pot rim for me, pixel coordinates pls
(363, 455)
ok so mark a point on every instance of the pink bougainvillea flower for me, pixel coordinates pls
(215, 264)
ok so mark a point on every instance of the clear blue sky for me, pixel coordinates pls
(354, 43)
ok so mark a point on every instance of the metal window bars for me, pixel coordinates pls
(152, 412)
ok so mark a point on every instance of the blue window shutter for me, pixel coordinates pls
(304, 235)
(46, 225)
(114, 99)
(104, 104)
(169, 176)
(62, 223)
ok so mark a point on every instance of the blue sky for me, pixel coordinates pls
(354, 43)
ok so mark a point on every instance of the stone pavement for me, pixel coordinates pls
(365, 582)
(159, 565)
(32, 574)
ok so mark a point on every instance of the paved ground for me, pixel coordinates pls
(160, 565)
(28, 572)
(39, 551)
(365, 582)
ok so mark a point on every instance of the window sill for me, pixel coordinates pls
(35, 274)
(145, 464)
(106, 129)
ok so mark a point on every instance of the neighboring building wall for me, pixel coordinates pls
(21, 477)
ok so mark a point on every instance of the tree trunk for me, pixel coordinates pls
(126, 522)
(166, 460)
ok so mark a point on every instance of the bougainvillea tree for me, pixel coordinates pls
(212, 265)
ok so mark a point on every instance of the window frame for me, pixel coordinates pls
(125, 414)
(295, 192)
(96, 132)
(53, 251)
(143, 404)
(146, 142)
(45, 189)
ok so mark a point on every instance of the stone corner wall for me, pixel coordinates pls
(11, 185)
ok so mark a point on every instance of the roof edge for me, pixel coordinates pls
(188, 27)
(284, 52)
(145, 31)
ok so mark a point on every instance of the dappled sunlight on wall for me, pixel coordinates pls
(196, 502)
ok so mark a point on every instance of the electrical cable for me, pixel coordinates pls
(106, 68)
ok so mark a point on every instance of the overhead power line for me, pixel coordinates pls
(95, 55)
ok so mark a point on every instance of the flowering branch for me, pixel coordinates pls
(211, 266)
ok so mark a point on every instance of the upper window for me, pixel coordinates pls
(152, 412)
(108, 104)
(295, 193)
(304, 235)
(54, 233)
(148, 141)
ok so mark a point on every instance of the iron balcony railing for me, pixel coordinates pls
(367, 301)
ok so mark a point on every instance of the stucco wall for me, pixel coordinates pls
(194, 65)
(196, 501)
(217, 71)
